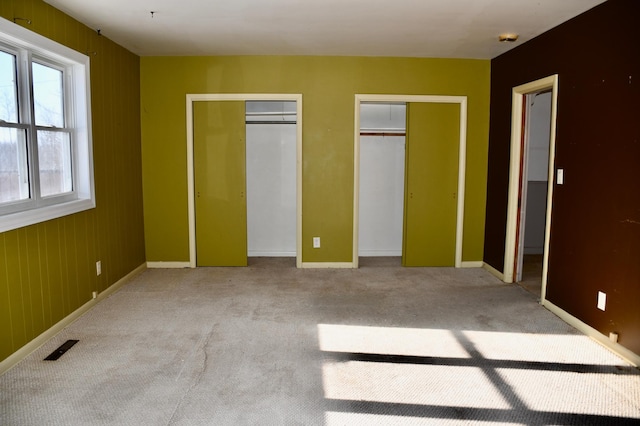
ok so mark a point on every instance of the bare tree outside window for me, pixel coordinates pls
(14, 176)
(54, 144)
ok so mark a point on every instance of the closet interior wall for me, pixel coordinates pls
(382, 175)
(271, 178)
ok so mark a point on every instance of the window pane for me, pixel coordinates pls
(54, 157)
(47, 96)
(8, 88)
(14, 176)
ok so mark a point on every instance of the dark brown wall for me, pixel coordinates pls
(595, 225)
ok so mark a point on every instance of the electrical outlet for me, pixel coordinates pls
(94, 294)
(98, 267)
(316, 242)
(602, 301)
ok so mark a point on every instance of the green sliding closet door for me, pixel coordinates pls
(220, 183)
(433, 131)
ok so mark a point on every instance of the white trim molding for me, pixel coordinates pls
(216, 97)
(472, 264)
(34, 344)
(616, 348)
(518, 96)
(462, 158)
(493, 271)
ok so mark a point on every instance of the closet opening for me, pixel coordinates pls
(418, 186)
(271, 180)
(241, 144)
(383, 128)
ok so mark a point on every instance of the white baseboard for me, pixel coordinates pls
(616, 348)
(327, 265)
(168, 265)
(34, 344)
(472, 264)
(493, 271)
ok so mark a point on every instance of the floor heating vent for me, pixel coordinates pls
(53, 356)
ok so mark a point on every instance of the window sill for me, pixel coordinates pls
(30, 217)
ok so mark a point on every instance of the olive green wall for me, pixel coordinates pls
(328, 86)
(48, 270)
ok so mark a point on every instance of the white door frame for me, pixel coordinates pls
(519, 95)
(462, 156)
(206, 97)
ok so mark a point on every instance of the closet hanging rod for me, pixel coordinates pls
(269, 122)
(383, 129)
(256, 114)
(382, 134)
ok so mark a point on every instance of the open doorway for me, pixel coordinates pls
(535, 171)
(534, 107)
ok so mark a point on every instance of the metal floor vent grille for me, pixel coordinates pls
(53, 356)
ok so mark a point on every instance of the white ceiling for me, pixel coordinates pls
(412, 28)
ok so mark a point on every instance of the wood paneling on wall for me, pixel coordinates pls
(595, 224)
(48, 270)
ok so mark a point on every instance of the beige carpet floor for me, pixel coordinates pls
(273, 345)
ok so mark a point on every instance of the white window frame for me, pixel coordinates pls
(77, 92)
